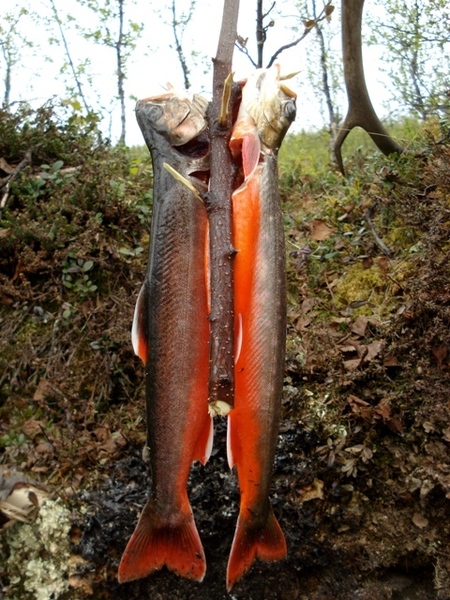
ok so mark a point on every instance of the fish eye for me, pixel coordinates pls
(290, 110)
(154, 111)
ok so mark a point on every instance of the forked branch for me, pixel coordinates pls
(360, 110)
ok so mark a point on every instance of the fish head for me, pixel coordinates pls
(270, 104)
(173, 115)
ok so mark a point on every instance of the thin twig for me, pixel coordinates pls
(23, 163)
(385, 249)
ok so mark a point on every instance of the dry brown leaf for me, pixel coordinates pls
(320, 230)
(308, 304)
(383, 408)
(395, 425)
(353, 364)
(359, 326)
(302, 323)
(419, 521)
(41, 390)
(440, 354)
(373, 349)
(359, 407)
(312, 492)
(390, 361)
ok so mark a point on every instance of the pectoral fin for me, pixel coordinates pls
(139, 336)
(251, 149)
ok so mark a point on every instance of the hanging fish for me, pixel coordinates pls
(267, 109)
(170, 334)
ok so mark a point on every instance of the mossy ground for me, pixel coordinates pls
(362, 475)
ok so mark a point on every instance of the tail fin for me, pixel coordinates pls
(154, 543)
(250, 542)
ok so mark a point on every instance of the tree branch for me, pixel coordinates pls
(218, 205)
(309, 25)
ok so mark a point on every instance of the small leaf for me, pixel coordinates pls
(57, 165)
(308, 23)
(87, 266)
(320, 230)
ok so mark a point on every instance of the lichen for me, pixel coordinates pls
(39, 554)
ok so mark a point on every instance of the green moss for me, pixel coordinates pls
(360, 284)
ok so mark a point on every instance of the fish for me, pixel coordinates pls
(170, 333)
(267, 109)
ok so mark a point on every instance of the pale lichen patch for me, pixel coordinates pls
(38, 554)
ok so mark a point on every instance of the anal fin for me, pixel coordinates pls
(203, 447)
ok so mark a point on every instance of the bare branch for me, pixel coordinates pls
(241, 46)
(309, 25)
(178, 46)
(218, 205)
(69, 56)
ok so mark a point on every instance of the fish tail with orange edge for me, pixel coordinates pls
(158, 542)
(264, 541)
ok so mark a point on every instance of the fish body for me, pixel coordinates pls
(171, 335)
(260, 309)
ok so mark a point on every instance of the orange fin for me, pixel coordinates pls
(251, 149)
(250, 542)
(155, 544)
(139, 328)
(203, 447)
(234, 448)
(239, 334)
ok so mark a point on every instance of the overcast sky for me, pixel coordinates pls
(37, 77)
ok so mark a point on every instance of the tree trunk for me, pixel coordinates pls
(360, 110)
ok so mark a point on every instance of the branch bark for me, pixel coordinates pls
(360, 110)
(218, 205)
